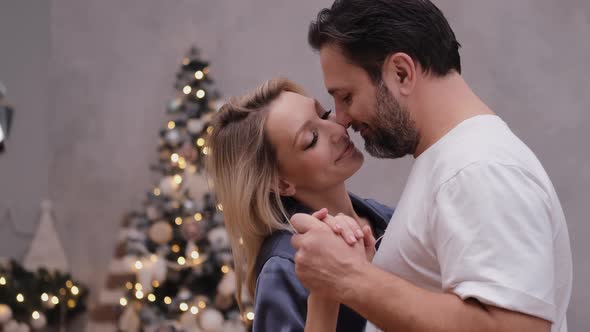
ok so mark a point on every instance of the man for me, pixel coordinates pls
(478, 241)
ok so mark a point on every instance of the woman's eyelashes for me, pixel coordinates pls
(314, 140)
(314, 133)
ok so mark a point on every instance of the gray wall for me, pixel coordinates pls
(94, 119)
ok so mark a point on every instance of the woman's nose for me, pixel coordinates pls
(337, 131)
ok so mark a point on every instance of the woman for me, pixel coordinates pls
(274, 153)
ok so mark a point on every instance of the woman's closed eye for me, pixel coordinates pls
(314, 140)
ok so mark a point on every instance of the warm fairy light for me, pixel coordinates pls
(71, 304)
(198, 216)
(187, 89)
(139, 295)
(157, 191)
(178, 221)
(220, 207)
(174, 157)
(123, 301)
(153, 258)
(202, 304)
(181, 163)
(206, 70)
(199, 74)
(200, 142)
(35, 314)
(55, 300)
(75, 290)
(62, 291)
(181, 260)
(209, 130)
(69, 284)
(167, 300)
(2, 281)
(200, 94)
(250, 315)
(129, 285)
(185, 61)
(175, 248)
(138, 286)
(194, 310)
(155, 283)
(151, 298)
(183, 306)
(205, 150)
(20, 297)
(241, 240)
(177, 179)
(138, 265)
(44, 297)
(225, 269)
(171, 124)
(194, 254)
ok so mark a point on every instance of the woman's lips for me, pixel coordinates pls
(347, 151)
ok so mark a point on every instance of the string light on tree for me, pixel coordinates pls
(171, 124)
(123, 301)
(199, 75)
(2, 281)
(200, 94)
(75, 290)
(167, 300)
(20, 298)
(186, 90)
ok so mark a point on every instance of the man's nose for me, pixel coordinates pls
(343, 119)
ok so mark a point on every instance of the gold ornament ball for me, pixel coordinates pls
(161, 232)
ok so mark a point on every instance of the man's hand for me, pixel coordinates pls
(323, 260)
(350, 230)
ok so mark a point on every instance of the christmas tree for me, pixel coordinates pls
(40, 292)
(173, 266)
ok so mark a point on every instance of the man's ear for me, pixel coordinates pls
(286, 188)
(399, 73)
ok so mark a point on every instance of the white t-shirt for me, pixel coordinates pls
(480, 218)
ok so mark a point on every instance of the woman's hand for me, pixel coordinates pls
(349, 229)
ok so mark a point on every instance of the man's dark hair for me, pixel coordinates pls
(367, 31)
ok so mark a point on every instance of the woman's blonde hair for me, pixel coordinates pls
(244, 168)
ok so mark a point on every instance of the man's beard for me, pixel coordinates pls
(392, 133)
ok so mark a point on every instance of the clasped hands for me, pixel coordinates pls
(331, 252)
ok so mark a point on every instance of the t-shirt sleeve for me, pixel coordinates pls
(492, 232)
(280, 300)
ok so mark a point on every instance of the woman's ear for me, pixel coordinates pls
(286, 188)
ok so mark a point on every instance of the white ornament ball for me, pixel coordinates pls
(173, 137)
(227, 285)
(5, 313)
(211, 320)
(153, 212)
(188, 321)
(14, 326)
(195, 126)
(234, 326)
(161, 232)
(167, 185)
(218, 238)
(40, 322)
(11, 326)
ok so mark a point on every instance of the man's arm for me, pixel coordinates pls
(329, 266)
(394, 304)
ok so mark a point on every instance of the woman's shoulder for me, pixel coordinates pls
(278, 244)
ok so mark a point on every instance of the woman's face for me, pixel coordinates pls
(314, 152)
